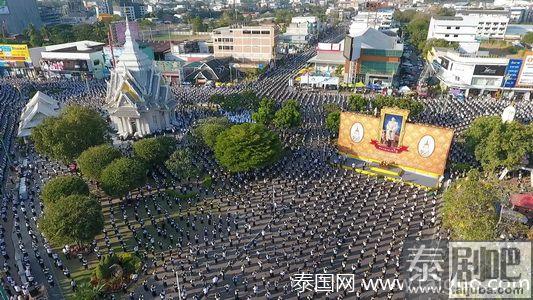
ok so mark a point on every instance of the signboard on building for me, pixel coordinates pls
(13, 55)
(348, 47)
(4, 10)
(489, 70)
(512, 72)
(526, 75)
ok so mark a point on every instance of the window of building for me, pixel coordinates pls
(265, 32)
(449, 27)
(246, 32)
(455, 35)
(457, 27)
(256, 32)
(446, 35)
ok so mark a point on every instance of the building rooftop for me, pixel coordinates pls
(482, 11)
(78, 47)
(329, 57)
(448, 18)
(375, 39)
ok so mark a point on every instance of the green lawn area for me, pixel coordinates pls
(196, 207)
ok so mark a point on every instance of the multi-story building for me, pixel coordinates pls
(130, 9)
(15, 16)
(470, 25)
(245, 44)
(481, 72)
(380, 19)
(50, 14)
(453, 29)
(372, 57)
(104, 7)
(301, 31)
(490, 23)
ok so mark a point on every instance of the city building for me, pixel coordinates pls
(301, 31)
(138, 100)
(372, 57)
(491, 24)
(247, 45)
(78, 59)
(15, 16)
(470, 25)
(480, 73)
(210, 71)
(327, 66)
(50, 14)
(130, 9)
(39, 107)
(104, 7)
(453, 29)
(380, 19)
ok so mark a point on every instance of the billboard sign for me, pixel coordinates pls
(14, 55)
(526, 75)
(512, 72)
(489, 70)
(4, 10)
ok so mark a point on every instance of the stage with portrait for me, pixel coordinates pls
(388, 145)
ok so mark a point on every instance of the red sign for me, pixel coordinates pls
(388, 149)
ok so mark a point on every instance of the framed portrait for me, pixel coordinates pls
(392, 126)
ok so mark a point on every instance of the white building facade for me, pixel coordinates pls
(138, 100)
(453, 29)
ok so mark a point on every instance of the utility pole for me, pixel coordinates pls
(178, 285)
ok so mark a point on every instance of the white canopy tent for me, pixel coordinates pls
(38, 108)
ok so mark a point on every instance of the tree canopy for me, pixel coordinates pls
(417, 29)
(438, 43)
(246, 100)
(65, 137)
(247, 146)
(528, 38)
(123, 175)
(357, 103)
(181, 164)
(93, 160)
(155, 150)
(289, 115)
(266, 111)
(208, 130)
(499, 145)
(469, 209)
(333, 120)
(63, 186)
(73, 219)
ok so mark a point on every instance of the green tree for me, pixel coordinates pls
(209, 129)
(73, 219)
(333, 120)
(429, 44)
(197, 24)
(155, 150)
(86, 291)
(123, 175)
(469, 209)
(36, 39)
(289, 115)
(357, 103)
(93, 160)
(404, 16)
(63, 186)
(499, 145)
(418, 31)
(528, 38)
(331, 107)
(247, 146)
(65, 137)
(266, 111)
(181, 164)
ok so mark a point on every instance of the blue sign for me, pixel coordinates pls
(512, 72)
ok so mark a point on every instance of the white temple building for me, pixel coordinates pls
(138, 101)
(38, 108)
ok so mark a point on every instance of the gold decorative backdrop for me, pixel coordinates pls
(412, 134)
